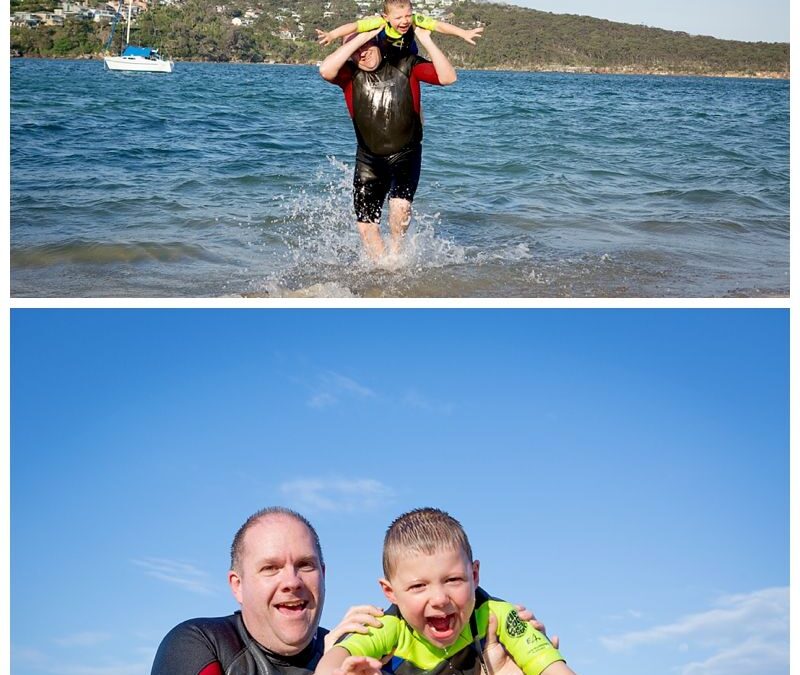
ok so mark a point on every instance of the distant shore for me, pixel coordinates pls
(551, 68)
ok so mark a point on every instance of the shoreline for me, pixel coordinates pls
(550, 68)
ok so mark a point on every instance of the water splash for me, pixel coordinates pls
(322, 250)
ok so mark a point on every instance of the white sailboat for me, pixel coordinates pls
(139, 59)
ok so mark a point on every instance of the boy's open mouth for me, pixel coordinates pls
(441, 627)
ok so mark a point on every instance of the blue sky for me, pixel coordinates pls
(750, 20)
(622, 472)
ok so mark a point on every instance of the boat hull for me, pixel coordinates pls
(138, 64)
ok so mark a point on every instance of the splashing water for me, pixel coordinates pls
(323, 254)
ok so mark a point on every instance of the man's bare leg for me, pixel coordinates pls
(399, 220)
(372, 240)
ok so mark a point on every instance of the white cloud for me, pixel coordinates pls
(178, 573)
(755, 656)
(347, 384)
(85, 639)
(414, 399)
(336, 494)
(332, 387)
(747, 634)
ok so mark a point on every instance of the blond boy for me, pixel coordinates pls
(397, 22)
(439, 615)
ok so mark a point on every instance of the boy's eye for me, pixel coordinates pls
(416, 587)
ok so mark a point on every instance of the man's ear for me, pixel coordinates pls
(386, 587)
(476, 566)
(235, 582)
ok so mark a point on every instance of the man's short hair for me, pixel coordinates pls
(426, 530)
(237, 546)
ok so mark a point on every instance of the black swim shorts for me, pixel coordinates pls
(396, 175)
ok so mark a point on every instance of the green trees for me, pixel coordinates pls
(515, 38)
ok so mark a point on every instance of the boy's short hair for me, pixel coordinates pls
(425, 530)
(388, 4)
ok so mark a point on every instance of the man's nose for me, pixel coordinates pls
(290, 578)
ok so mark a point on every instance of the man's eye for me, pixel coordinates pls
(308, 567)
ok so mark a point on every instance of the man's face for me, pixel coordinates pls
(368, 57)
(400, 17)
(435, 593)
(281, 584)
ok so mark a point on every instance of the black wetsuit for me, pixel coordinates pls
(384, 105)
(222, 646)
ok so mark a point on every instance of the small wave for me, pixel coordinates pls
(99, 253)
(327, 289)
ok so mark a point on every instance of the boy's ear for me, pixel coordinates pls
(386, 587)
(476, 565)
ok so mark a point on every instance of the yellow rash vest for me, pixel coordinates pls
(412, 654)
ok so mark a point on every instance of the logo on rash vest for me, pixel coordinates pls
(514, 625)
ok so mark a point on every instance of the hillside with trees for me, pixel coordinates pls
(516, 38)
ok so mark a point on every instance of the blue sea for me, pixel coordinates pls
(234, 180)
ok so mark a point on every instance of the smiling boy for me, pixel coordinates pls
(396, 25)
(439, 616)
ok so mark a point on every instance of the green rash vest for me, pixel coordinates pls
(414, 655)
(375, 22)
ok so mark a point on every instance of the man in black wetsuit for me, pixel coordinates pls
(383, 98)
(278, 577)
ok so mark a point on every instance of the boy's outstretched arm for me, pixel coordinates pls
(444, 69)
(467, 35)
(345, 29)
(333, 63)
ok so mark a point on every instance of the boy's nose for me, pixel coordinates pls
(439, 598)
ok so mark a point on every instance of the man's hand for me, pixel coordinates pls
(527, 615)
(357, 619)
(423, 35)
(360, 665)
(471, 34)
(498, 661)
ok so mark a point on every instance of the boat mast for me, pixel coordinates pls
(128, 36)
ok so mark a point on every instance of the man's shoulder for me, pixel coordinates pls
(345, 74)
(207, 629)
(195, 644)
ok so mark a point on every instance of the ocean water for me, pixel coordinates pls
(234, 180)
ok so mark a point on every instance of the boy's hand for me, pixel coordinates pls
(360, 665)
(357, 619)
(324, 37)
(470, 35)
